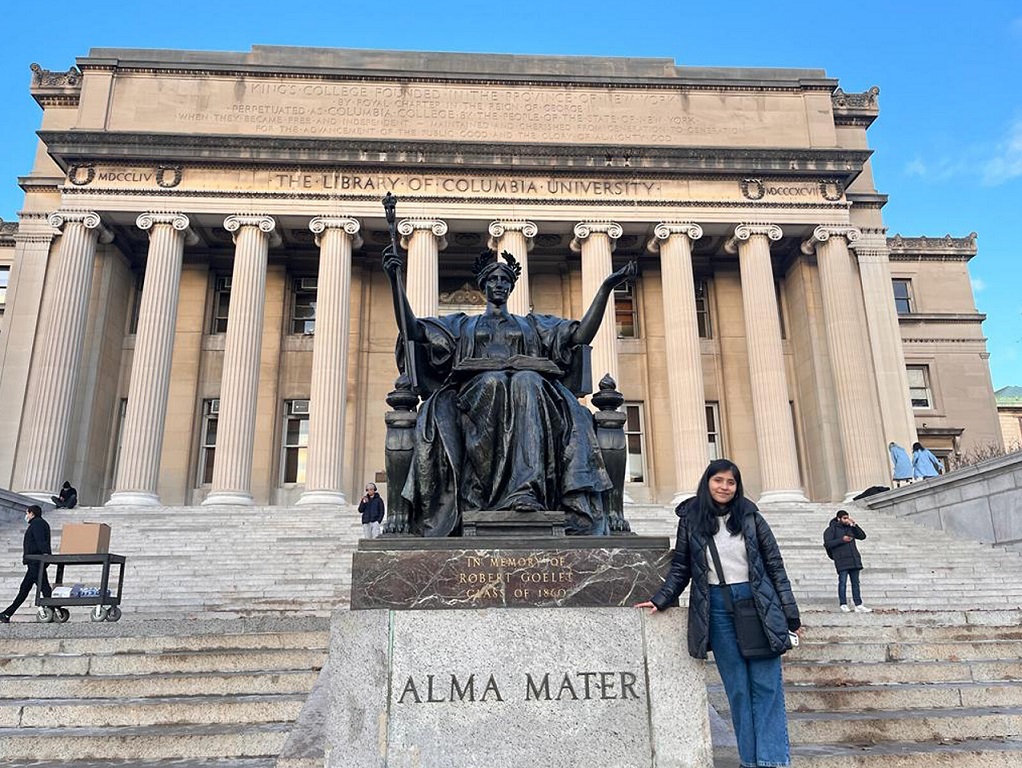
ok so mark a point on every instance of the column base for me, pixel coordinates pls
(681, 496)
(334, 498)
(133, 499)
(228, 498)
(781, 497)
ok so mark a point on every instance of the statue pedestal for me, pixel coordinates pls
(411, 573)
(556, 687)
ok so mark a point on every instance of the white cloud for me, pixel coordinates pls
(1006, 164)
(915, 167)
(978, 284)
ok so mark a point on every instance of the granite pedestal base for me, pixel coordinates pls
(551, 687)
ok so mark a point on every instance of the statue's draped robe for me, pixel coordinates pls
(501, 439)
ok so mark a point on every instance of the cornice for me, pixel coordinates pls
(51, 88)
(859, 109)
(69, 148)
(8, 232)
(942, 317)
(924, 248)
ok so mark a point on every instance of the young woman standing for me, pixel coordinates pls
(752, 566)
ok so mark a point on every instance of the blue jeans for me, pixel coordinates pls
(754, 689)
(842, 595)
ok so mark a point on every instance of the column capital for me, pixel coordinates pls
(88, 219)
(585, 229)
(407, 227)
(872, 246)
(824, 232)
(666, 230)
(265, 224)
(744, 232)
(498, 228)
(178, 221)
(349, 226)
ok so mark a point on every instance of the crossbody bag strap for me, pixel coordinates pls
(720, 575)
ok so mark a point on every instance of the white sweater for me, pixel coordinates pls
(733, 557)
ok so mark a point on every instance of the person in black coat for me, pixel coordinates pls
(839, 540)
(37, 542)
(371, 508)
(753, 568)
(68, 498)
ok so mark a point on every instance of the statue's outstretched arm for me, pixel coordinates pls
(392, 263)
(590, 322)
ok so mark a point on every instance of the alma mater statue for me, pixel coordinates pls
(498, 429)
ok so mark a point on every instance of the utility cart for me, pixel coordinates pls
(105, 607)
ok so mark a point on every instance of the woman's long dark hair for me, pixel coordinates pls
(705, 514)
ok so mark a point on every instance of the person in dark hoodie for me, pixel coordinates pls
(839, 540)
(752, 566)
(37, 542)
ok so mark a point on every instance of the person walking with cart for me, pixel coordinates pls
(37, 542)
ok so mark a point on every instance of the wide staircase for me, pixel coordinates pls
(225, 628)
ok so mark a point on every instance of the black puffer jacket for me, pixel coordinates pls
(37, 539)
(845, 554)
(767, 578)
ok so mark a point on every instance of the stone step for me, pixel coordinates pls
(143, 742)
(165, 643)
(886, 673)
(862, 698)
(193, 710)
(933, 725)
(40, 687)
(969, 753)
(210, 762)
(214, 660)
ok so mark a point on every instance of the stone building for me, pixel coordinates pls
(196, 310)
(1009, 411)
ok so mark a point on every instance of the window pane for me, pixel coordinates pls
(632, 422)
(207, 467)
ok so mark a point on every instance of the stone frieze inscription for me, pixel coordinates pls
(431, 579)
(451, 111)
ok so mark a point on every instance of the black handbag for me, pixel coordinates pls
(752, 639)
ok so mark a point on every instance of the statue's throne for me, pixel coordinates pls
(608, 423)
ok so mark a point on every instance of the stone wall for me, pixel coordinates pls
(981, 502)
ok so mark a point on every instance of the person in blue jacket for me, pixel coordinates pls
(903, 471)
(924, 463)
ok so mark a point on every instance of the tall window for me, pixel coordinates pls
(625, 314)
(221, 304)
(296, 440)
(714, 445)
(635, 471)
(780, 310)
(5, 276)
(919, 386)
(207, 448)
(122, 411)
(303, 305)
(703, 310)
(902, 296)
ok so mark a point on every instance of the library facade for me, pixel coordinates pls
(195, 311)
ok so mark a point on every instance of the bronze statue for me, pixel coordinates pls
(498, 428)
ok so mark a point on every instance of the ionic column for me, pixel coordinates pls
(596, 241)
(863, 447)
(324, 477)
(239, 387)
(423, 239)
(55, 379)
(138, 470)
(775, 432)
(885, 339)
(516, 237)
(673, 240)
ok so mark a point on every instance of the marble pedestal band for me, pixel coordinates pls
(55, 377)
(138, 470)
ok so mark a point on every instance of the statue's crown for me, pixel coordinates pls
(487, 261)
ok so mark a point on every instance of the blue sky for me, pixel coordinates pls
(948, 143)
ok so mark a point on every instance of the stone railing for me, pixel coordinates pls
(982, 502)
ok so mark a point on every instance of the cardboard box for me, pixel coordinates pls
(85, 539)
